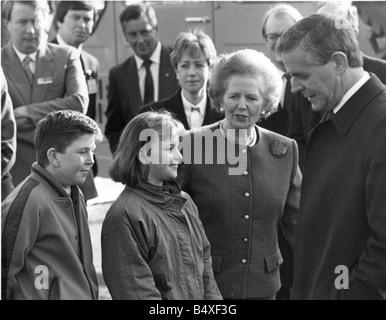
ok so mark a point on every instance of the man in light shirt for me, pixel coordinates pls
(41, 77)
(149, 68)
(340, 249)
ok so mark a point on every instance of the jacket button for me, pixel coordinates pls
(245, 239)
(246, 194)
(244, 151)
(246, 217)
(66, 205)
(245, 173)
(243, 261)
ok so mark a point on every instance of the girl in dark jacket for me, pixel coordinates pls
(153, 242)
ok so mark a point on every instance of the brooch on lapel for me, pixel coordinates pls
(278, 148)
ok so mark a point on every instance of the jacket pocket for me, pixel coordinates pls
(216, 263)
(54, 289)
(273, 261)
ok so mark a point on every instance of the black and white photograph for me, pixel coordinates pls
(193, 151)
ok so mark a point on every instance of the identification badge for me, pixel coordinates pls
(92, 86)
(47, 80)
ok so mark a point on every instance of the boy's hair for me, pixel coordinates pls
(126, 166)
(59, 129)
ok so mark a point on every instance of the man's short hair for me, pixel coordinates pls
(7, 7)
(62, 7)
(134, 11)
(321, 35)
(59, 129)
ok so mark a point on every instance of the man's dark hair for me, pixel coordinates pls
(321, 35)
(134, 11)
(62, 7)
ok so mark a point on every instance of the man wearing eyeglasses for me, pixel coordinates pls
(145, 77)
(291, 119)
(286, 120)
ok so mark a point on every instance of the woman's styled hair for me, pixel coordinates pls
(126, 165)
(194, 42)
(59, 129)
(247, 63)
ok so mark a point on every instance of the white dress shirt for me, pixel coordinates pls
(352, 91)
(154, 69)
(196, 120)
(33, 57)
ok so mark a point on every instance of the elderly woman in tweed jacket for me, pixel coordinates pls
(245, 180)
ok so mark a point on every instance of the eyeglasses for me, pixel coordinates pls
(272, 38)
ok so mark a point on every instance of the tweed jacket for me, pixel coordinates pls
(154, 246)
(42, 226)
(342, 214)
(242, 197)
(58, 84)
(175, 105)
(124, 97)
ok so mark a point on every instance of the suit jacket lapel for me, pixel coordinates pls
(14, 68)
(44, 69)
(209, 113)
(131, 86)
(177, 107)
(165, 71)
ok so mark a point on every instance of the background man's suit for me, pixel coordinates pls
(58, 85)
(174, 105)
(124, 94)
(342, 215)
(90, 67)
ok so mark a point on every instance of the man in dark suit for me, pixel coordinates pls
(287, 120)
(149, 68)
(340, 248)
(74, 21)
(306, 116)
(41, 77)
(276, 20)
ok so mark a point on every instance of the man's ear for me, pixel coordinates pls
(341, 62)
(52, 156)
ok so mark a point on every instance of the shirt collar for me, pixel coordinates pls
(188, 105)
(22, 55)
(155, 57)
(352, 91)
(63, 43)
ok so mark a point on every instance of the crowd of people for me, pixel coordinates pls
(247, 177)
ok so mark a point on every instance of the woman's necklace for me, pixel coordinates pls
(251, 140)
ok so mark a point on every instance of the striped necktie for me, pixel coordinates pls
(26, 65)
